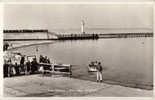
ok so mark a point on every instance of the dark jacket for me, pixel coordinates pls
(99, 68)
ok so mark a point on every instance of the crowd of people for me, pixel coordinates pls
(43, 59)
(14, 69)
(21, 65)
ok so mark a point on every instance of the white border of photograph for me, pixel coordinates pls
(62, 98)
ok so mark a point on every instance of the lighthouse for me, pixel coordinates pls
(82, 26)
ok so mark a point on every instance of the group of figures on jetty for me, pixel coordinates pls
(17, 64)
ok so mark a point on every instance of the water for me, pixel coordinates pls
(127, 61)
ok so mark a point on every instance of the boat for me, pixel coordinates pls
(92, 67)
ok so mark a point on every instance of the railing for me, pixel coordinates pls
(57, 68)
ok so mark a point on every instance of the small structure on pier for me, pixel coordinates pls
(81, 36)
(82, 26)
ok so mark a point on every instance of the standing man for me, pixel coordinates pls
(22, 63)
(34, 66)
(28, 67)
(99, 72)
(9, 68)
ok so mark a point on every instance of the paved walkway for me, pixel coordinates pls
(38, 86)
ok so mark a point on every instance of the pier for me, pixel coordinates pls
(125, 35)
(78, 36)
(30, 35)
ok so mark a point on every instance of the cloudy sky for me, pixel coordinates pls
(64, 17)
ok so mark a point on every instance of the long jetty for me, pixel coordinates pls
(47, 35)
(125, 35)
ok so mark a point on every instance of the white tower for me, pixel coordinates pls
(82, 26)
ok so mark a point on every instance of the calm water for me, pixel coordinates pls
(126, 61)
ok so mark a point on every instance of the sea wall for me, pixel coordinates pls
(37, 35)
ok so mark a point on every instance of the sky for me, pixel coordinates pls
(67, 17)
